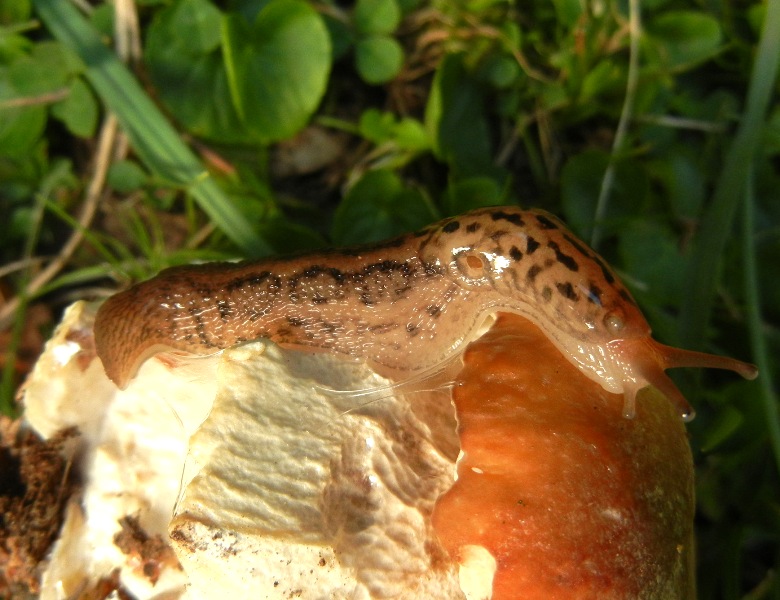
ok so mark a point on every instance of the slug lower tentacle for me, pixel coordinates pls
(405, 305)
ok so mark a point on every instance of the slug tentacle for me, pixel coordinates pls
(646, 361)
(407, 305)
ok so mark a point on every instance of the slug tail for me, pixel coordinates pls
(130, 328)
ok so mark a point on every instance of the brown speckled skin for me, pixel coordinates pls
(404, 305)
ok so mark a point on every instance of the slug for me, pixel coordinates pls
(407, 304)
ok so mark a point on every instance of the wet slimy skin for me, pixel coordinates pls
(406, 305)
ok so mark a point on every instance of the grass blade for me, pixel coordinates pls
(153, 138)
(758, 342)
(716, 225)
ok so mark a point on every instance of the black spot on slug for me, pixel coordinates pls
(225, 309)
(433, 310)
(584, 250)
(594, 294)
(532, 245)
(451, 227)
(532, 273)
(546, 223)
(515, 253)
(472, 227)
(546, 293)
(567, 291)
(513, 218)
(608, 276)
(566, 260)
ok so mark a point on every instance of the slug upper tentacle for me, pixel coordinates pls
(406, 305)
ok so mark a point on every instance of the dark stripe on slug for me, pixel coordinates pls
(567, 291)
(253, 280)
(532, 245)
(513, 218)
(451, 227)
(626, 296)
(566, 260)
(546, 223)
(433, 310)
(515, 253)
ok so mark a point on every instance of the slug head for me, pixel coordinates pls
(528, 263)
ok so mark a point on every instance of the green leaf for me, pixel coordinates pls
(456, 121)
(410, 134)
(378, 58)
(726, 424)
(650, 253)
(277, 68)
(79, 111)
(501, 71)
(103, 18)
(45, 70)
(381, 127)
(126, 176)
(606, 77)
(21, 126)
(14, 11)
(341, 37)
(287, 237)
(474, 192)
(372, 17)
(682, 181)
(377, 207)
(568, 11)
(376, 126)
(682, 38)
(184, 59)
(581, 181)
(26, 85)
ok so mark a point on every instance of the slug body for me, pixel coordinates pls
(406, 305)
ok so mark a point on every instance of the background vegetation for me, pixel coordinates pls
(142, 134)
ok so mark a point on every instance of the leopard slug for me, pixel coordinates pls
(407, 304)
